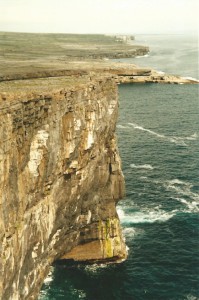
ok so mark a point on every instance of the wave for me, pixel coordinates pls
(192, 206)
(141, 56)
(94, 268)
(177, 181)
(182, 188)
(193, 137)
(176, 140)
(160, 72)
(191, 297)
(154, 216)
(141, 217)
(191, 78)
(132, 232)
(129, 231)
(146, 167)
(184, 195)
(181, 192)
(121, 126)
(136, 126)
(49, 278)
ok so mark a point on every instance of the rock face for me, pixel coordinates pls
(60, 179)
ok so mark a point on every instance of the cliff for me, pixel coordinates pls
(60, 171)
(60, 178)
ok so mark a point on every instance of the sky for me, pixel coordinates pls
(100, 16)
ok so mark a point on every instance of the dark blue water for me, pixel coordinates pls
(158, 137)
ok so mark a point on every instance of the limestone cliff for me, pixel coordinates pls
(60, 179)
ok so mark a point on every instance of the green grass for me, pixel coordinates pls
(30, 52)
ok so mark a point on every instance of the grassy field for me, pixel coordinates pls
(32, 46)
(29, 52)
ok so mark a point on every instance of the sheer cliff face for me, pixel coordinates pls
(60, 178)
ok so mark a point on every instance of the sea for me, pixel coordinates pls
(158, 139)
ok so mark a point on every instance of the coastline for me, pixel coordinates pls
(59, 152)
(27, 84)
(59, 55)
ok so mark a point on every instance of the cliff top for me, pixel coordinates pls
(42, 63)
(29, 52)
(41, 87)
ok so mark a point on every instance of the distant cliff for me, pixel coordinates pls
(60, 180)
(31, 52)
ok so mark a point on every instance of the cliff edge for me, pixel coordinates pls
(60, 180)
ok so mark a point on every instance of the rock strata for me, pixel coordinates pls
(140, 75)
(60, 181)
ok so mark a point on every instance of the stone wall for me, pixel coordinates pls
(60, 179)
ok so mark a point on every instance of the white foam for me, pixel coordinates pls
(95, 267)
(121, 126)
(177, 181)
(191, 205)
(136, 126)
(191, 297)
(182, 188)
(141, 56)
(146, 166)
(190, 78)
(140, 217)
(161, 72)
(49, 278)
(177, 140)
(129, 231)
(132, 232)
(120, 212)
(183, 194)
(193, 137)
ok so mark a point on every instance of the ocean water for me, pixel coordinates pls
(174, 54)
(158, 138)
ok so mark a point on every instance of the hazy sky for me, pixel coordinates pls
(100, 16)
